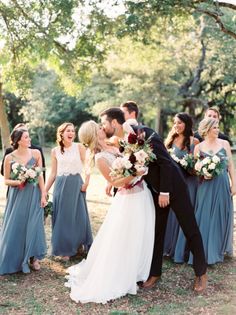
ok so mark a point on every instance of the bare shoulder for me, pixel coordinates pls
(35, 152)
(9, 156)
(195, 141)
(224, 143)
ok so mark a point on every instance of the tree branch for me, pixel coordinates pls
(227, 5)
(218, 21)
(41, 29)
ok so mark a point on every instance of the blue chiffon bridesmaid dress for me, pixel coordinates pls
(175, 242)
(22, 234)
(214, 214)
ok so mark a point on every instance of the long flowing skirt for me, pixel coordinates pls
(121, 253)
(70, 219)
(22, 234)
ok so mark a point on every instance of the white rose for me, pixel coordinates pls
(118, 163)
(14, 166)
(141, 156)
(206, 173)
(183, 162)
(212, 166)
(207, 160)
(127, 163)
(198, 166)
(31, 173)
(215, 159)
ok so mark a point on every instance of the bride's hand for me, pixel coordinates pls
(142, 171)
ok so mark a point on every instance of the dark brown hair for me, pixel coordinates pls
(114, 113)
(131, 107)
(188, 131)
(16, 136)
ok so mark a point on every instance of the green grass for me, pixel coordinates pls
(44, 292)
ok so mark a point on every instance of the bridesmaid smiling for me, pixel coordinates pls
(214, 205)
(70, 220)
(22, 238)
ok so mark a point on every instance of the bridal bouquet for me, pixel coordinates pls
(187, 161)
(136, 153)
(25, 174)
(210, 166)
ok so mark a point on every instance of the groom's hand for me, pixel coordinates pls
(164, 200)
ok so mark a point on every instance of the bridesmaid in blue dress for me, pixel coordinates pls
(181, 141)
(70, 220)
(22, 237)
(214, 205)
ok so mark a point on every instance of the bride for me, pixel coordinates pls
(121, 253)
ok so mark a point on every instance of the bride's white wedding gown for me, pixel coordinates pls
(121, 252)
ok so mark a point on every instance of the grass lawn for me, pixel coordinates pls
(43, 292)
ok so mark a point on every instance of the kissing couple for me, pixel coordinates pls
(128, 248)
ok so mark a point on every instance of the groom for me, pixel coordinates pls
(169, 189)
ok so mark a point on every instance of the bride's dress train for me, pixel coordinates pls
(121, 253)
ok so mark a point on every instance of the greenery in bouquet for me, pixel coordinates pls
(26, 174)
(209, 166)
(48, 209)
(136, 154)
(187, 162)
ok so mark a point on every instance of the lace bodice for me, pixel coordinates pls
(109, 156)
(68, 163)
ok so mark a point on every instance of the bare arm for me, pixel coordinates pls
(7, 172)
(53, 172)
(104, 168)
(196, 150)
(38, 157)
(230, 166)
(85, 162)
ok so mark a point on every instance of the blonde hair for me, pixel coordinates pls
(88, 135)
(60, 131)
(205, 125)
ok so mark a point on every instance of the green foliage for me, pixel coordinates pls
(49, 106)
(13, 106)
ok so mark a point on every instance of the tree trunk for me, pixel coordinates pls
(4, 126)
(158, 116)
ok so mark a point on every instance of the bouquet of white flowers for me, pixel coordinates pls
(187, 162)
(136, 153)
(25, 174)
(209, 166)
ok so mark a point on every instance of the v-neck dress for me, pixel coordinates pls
(22, 233)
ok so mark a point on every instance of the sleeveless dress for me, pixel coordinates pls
(214, 214)
(175, 242)
(121, 253)
(70, 219)
(22, 235)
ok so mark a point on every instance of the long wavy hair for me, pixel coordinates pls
(88, 137)
(60, 131)
(188, 132)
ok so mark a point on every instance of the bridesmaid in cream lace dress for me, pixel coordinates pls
(70, 220)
